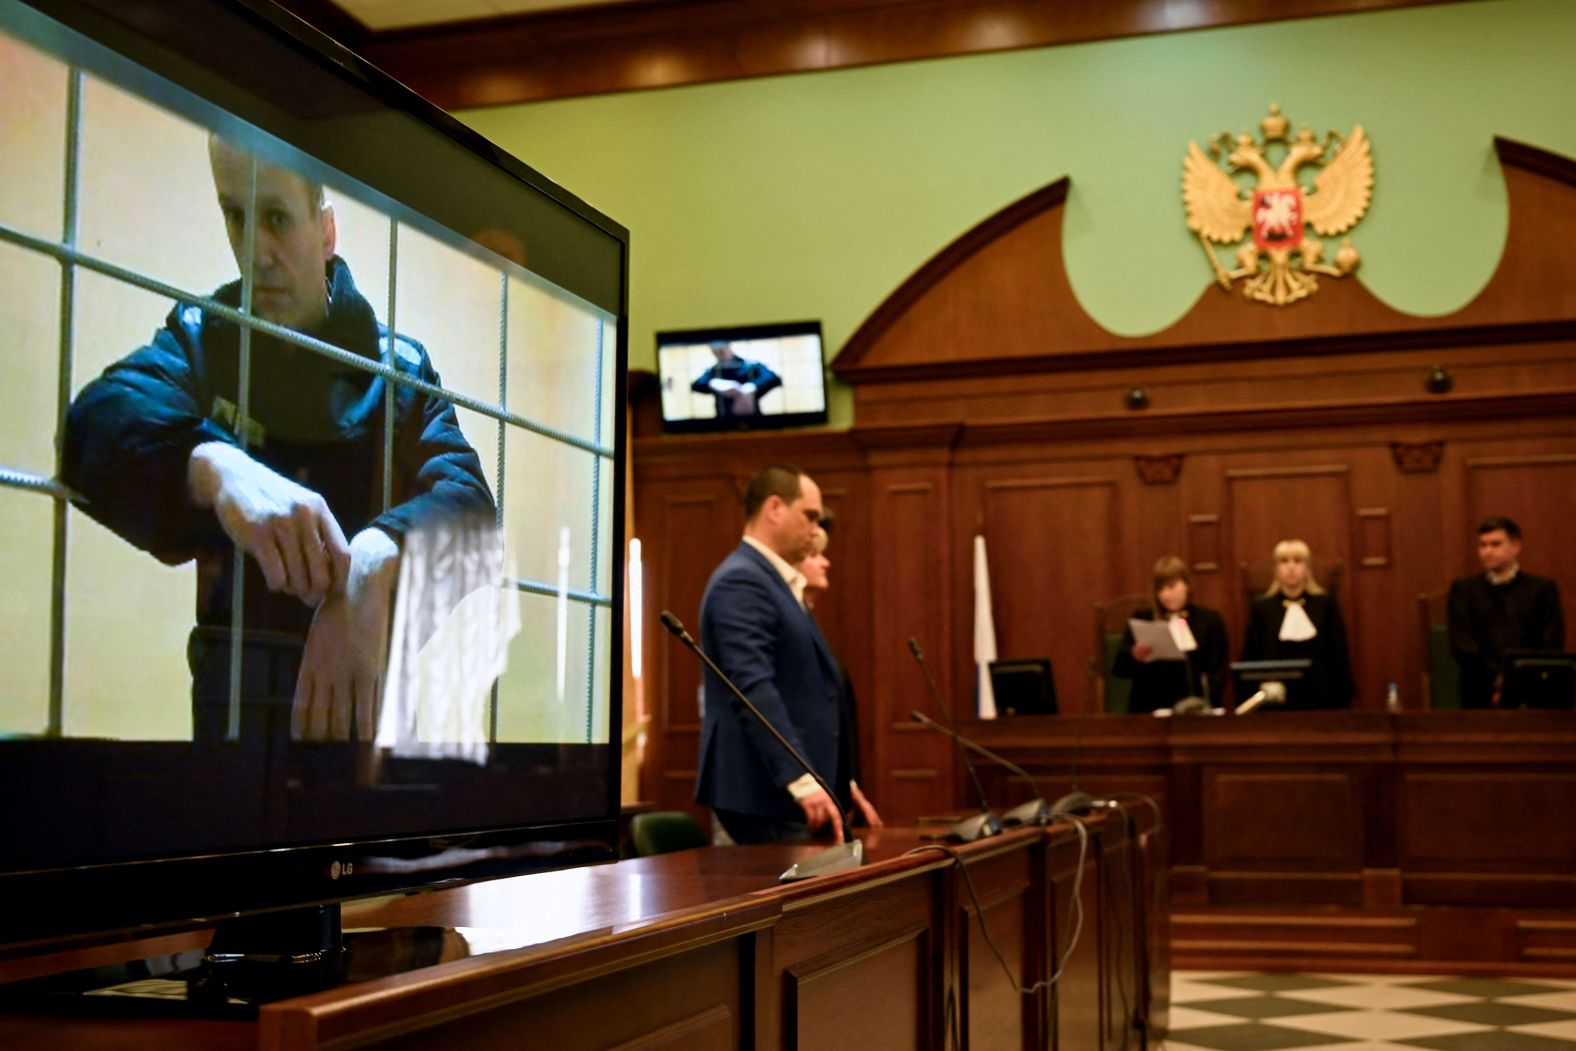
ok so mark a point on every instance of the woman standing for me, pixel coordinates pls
(1199, 633)
(1295, 619)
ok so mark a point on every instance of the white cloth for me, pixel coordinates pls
(455, 613)
(1295, 626)
(984, 634)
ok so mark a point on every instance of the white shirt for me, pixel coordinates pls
(1505, 577)
(791, 576)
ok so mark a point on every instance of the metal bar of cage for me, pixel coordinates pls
(66, 253)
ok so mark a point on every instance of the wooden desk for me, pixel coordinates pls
(1347, 840)
(703, 949)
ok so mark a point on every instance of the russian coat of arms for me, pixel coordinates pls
(1282, 258)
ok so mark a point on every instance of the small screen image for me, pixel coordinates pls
(747, 377)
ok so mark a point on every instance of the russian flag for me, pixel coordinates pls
(984, 634)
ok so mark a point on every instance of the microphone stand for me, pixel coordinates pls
(849, 854)
(986, 823)
(1187, 665)
(1035, 812)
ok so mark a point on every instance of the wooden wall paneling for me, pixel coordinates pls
(1304, 827)
(1289, 501)
(1202, 491)
(1187, 883)
(1382, 642)
(1058, 547)
(1373, 537)
(1124, 756)
(1270, 504)
(1447, 816)
(692, 526)
(914, 791)
(1419, 517)
(1154, 517)
(912, 561)
(1204, 551)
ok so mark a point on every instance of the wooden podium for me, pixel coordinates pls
(703, 949)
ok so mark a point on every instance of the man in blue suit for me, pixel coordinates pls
(754, 624)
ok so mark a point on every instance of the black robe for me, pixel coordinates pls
(1328, 684)
(1488, 620)
(1160, 684)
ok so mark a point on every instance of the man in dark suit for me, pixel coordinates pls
(1499, 610)
(754, 624)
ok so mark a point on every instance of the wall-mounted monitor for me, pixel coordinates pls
(742, 377)
(231, 254)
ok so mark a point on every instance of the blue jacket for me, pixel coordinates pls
(769, 645)
(130, 433)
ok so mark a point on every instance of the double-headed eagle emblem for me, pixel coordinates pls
(1279, 206)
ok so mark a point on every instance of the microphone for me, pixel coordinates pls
(1269, 693)
(1035, 812)
(986, 823)
(844, 856)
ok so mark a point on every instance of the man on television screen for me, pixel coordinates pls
(1500, 610)
(162, 453)
(738, 384)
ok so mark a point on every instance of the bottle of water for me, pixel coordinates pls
(1392, 698)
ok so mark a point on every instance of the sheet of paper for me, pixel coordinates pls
(1157, 636)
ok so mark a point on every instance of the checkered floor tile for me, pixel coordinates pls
(1221, 1011)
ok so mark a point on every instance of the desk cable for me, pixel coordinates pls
(979, 912)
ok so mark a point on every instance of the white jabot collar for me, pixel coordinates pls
(1295, 626)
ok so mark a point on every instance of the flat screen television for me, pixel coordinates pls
(743, 377)
(314, 597)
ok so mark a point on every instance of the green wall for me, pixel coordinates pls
(815, 195)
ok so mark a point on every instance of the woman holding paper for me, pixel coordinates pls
(1296, 619)
(1187, 659)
